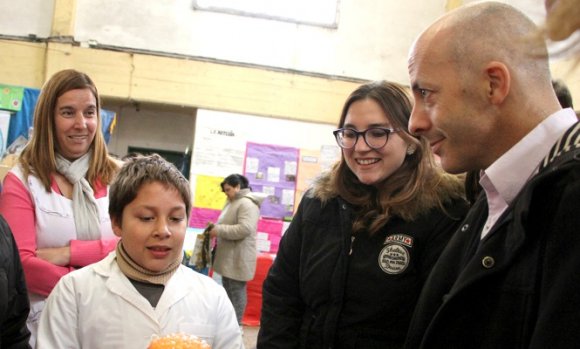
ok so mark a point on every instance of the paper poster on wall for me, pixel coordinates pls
(218, 150)
(290, 169)
(285, 226)
(201, 216)
(329, 154)
(4, 127)
(11, 97)
(269, 235)
(308, 169)
(208, 192)
(275, 175)
(288, 196)
(252, 165)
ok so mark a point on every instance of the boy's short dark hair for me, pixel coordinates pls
(138, 170)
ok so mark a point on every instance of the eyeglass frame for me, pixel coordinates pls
(364, 135)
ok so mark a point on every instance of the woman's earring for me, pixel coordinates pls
(411, 149)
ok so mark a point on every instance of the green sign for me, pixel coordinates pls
(11, 97)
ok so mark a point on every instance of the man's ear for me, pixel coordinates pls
(116, 227)
(499, 81)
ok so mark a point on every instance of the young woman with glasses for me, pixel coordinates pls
(352, 263)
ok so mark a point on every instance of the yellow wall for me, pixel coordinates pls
(453, 4)
(179, 81)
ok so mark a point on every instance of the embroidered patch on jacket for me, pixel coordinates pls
(400, 238)
(394, 257)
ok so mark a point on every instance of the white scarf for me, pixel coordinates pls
(84, 205)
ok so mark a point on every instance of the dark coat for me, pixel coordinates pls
(520, 287)
(14, 305)
(304, 292)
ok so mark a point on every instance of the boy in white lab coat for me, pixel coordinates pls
(141, 289)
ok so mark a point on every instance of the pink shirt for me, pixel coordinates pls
(19, 211)
(504, 179)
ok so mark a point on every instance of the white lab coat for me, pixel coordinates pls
(98, 307)
(55, 227)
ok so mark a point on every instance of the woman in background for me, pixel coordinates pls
(236, 252)
(55, 199)
(362, 243)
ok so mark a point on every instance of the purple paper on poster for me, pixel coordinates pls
(272, 169)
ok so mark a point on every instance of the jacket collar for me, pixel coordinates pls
(499, 247)
(177, 287)
(569, 141)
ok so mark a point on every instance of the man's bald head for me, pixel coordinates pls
(481, 81)
(473, 35)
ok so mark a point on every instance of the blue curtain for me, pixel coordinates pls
(107, 123)
(21, 121)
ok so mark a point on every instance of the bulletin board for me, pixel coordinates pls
(209, 201)
(281, 164)
(309, 165)
(272, 170)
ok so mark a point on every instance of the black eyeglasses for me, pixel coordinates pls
(375, 137)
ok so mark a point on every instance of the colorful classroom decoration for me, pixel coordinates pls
(272, 170)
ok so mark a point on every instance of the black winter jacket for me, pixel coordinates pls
(14, 305)
(304, 292)
(521, 287)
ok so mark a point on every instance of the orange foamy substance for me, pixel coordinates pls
(178, 341)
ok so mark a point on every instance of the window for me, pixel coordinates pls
(322, 13)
